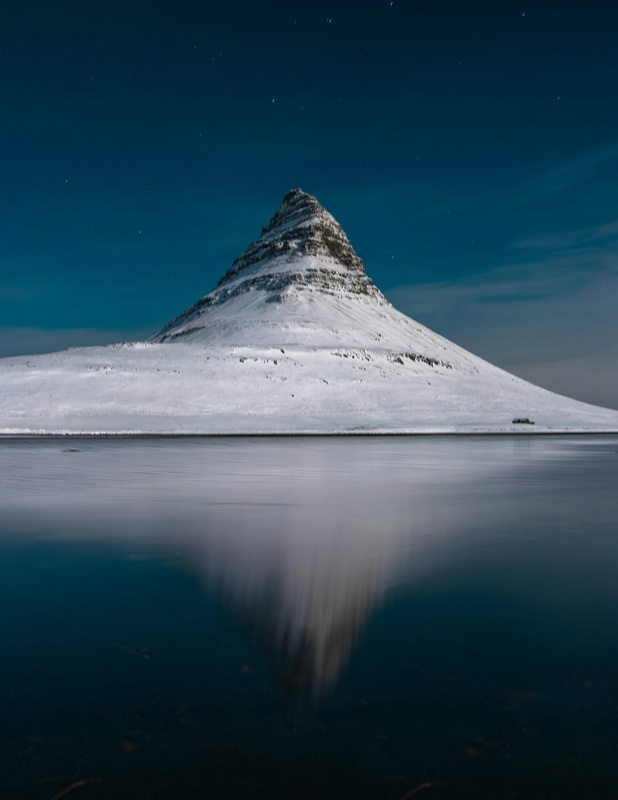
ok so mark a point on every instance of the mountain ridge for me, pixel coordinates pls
(295, 338)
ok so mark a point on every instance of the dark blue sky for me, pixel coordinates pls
(469, 149)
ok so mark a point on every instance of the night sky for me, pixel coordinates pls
(469, 150)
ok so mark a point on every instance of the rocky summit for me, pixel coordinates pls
(302, 248)
(301, 227)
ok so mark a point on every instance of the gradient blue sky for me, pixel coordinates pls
(469, 149)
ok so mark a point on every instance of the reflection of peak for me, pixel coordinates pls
(308, 650)
(307, 597)
(312, 653)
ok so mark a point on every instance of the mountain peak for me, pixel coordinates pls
(300, 227)
(301, 256)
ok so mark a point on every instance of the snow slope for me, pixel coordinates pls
(295, 339)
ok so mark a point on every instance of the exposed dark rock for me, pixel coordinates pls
(301, 227)
(397, 358)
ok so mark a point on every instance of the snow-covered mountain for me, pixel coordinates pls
(300, 284)
(296, 338)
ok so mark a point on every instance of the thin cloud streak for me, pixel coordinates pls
(541, 300)
(16, 341)
(560, 335)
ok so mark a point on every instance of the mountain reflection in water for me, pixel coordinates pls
(301, 539)
(441, 611)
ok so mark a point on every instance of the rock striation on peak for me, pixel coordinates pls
(302, 249)
(301, 227)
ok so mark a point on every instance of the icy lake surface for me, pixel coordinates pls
(309, 618)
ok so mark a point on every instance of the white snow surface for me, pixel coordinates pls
(320, 354)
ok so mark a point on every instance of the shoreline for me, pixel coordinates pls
(301, 434)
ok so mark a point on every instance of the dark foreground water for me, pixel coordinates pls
(309, 618)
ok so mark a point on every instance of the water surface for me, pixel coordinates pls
(309, 618)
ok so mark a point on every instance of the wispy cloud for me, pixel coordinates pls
(539, 300)
(559, 330)
(16, 341)
(14, 293)
(600, 235)
(574, 172)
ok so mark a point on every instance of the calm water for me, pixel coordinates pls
(309, 618)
